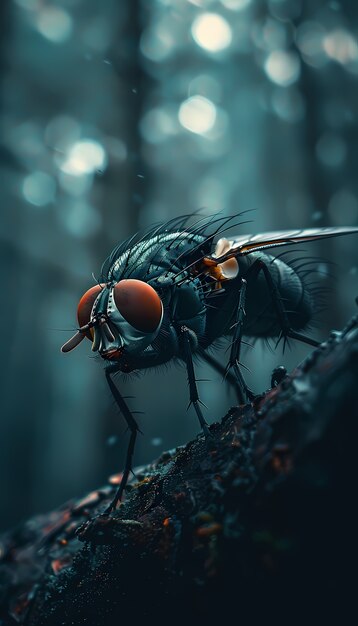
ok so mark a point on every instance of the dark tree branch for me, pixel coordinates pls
(257, 523)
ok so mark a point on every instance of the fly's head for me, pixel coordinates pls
(120, 319)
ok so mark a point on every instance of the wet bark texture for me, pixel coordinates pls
(259, 523)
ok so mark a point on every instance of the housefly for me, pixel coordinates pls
(172, 291)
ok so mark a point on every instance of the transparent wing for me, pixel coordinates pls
(246, 244)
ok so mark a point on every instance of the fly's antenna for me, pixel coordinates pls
(97, 281)
(67, 330)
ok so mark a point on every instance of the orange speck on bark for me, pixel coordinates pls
(209, 529)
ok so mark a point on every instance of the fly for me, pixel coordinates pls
(175, 289)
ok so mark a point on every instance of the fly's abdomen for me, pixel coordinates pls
(261, 317)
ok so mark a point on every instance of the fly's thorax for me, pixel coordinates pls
(147, 259)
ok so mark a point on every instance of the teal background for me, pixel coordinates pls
(115, 115)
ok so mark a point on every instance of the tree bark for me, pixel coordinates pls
(259, 522)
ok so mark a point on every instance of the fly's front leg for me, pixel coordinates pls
(185, 335)
(145, 360)
(133, 427)
(234, 361)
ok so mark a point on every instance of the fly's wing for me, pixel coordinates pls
(240, 246)
(223, 265)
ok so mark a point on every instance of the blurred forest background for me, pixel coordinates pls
(115, 115)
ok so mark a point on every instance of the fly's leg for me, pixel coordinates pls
(216, 365)
(278, 375)
(234, 361)
(185, 334)
(286, 330)
(133, 427)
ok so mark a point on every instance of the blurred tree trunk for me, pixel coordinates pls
(125, 205)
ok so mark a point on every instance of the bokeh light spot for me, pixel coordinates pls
(157, 125)
(81, 219)
(156, 441)
(75, 185)
(211, 32)
(158, 40)
(236, 5)
(85, 157)
(29, 5)
(54, 23)
(203, 4)
(282, 67)
(309, 39)
(197, 114)
(341, 46)
(61, 132)
(39, 188)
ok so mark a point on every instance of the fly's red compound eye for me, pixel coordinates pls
(139, 304)
(85, 306)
